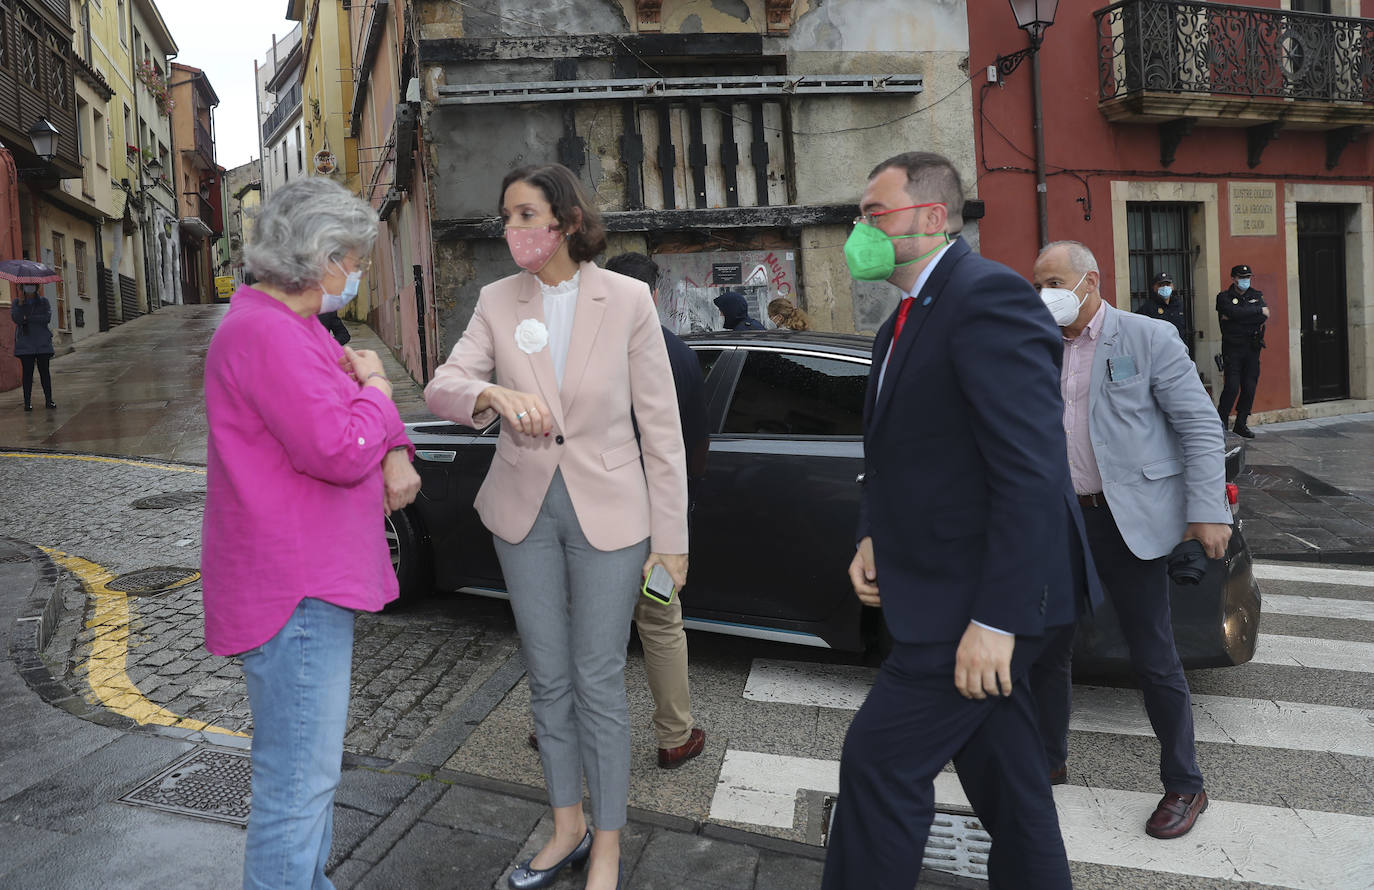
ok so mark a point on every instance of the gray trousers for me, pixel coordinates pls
(572, 607)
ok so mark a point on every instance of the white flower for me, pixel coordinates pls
(531, 335)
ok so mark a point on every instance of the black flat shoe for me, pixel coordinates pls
(526, 878)
(28, 407)
(1244, 432)
(49, 405)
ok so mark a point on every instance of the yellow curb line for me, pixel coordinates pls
(106, 665)
(199, 471)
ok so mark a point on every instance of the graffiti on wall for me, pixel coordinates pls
(690, 282)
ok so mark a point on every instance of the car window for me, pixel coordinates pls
(708, 358)
(798, 395)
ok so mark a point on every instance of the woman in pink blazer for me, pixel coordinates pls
(580, 509)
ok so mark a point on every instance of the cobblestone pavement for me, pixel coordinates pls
(408, 668)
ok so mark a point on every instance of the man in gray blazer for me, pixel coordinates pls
(1147, 461)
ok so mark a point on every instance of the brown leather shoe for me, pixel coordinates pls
(1175, 815)
(1059, 775)
(672, 758)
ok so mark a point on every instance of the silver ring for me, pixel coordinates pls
(520, 416)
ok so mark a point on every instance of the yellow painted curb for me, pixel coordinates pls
(106, 665)
(199, 471)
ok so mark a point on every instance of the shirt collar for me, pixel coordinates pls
(1095, 326)
(925, 273)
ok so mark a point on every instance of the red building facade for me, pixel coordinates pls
(1189, 137)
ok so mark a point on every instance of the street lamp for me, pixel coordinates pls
(1033, 17)
(44, 135)
(154, 167)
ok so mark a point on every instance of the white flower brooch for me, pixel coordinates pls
(531, 336)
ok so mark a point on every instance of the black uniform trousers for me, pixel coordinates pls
(1139, 591)
(914, 722)
(1241, 366)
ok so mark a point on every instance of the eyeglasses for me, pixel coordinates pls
(868, 218)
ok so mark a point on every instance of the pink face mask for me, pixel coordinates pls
(533, 248)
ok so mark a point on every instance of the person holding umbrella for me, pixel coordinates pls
(31, 314)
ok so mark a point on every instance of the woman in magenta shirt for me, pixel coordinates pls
(306, 452)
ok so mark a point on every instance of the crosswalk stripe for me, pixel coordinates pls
(1260, 723)
(1268, 571)
(1311, 652)
(1280, 846)
(1317, 607)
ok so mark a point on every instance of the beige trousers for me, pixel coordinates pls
(665, 661)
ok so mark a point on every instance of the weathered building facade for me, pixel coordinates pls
(393, 169)
(281, 128)
(728, 139)
(197, 181)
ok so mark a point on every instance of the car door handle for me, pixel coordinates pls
(859, 478)
(442, 457)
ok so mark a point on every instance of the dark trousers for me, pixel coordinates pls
(913, 723)
(1139, 591)
(29, 361)
(1241, 365)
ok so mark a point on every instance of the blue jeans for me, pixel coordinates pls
(298, 684)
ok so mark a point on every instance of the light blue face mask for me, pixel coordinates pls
(336, 302)
(1166, 291)
(1242, 284)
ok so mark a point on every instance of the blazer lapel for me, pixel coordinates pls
(916, 318)
(591, 307)
(528, 305)
(1106, 348)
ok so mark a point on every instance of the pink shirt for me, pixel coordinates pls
(1075, 382)
(294, 499)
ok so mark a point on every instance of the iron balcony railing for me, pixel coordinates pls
(1175, 46)
(286, 108)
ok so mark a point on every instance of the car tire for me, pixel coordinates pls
(409, 555)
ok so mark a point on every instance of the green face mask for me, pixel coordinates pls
(870, 255)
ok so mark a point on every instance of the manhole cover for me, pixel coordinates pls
(157, 579)
(207, 783)
(170, 500)
(957, 843)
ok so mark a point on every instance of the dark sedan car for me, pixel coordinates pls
(773, 531)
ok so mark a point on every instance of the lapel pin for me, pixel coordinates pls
(926, 301)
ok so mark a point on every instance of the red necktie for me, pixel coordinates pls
(901, 317)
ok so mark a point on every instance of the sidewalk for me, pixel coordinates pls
(99, 802)
(1307, 492)
(136, 391)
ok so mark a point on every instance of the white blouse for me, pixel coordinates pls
(560, 305)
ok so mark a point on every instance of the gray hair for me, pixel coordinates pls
(302, 227)
(1081, 260)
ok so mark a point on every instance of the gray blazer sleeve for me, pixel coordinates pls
(1180, 395)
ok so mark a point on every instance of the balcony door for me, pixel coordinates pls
(1321, 282)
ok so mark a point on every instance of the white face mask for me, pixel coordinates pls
(1063, 303)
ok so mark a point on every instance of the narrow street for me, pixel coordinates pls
(112, 688)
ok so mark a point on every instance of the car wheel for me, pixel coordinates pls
(409, 559)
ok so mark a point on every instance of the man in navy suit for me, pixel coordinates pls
(969, 527)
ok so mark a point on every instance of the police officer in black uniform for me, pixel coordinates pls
(1243, 315)
(1162, 305)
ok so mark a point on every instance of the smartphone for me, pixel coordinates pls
(659, 585)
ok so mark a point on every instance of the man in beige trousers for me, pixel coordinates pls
(660, 626)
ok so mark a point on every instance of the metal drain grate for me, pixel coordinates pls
(208, 783)
(170, 500)
(957, 843)
(157, 579)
